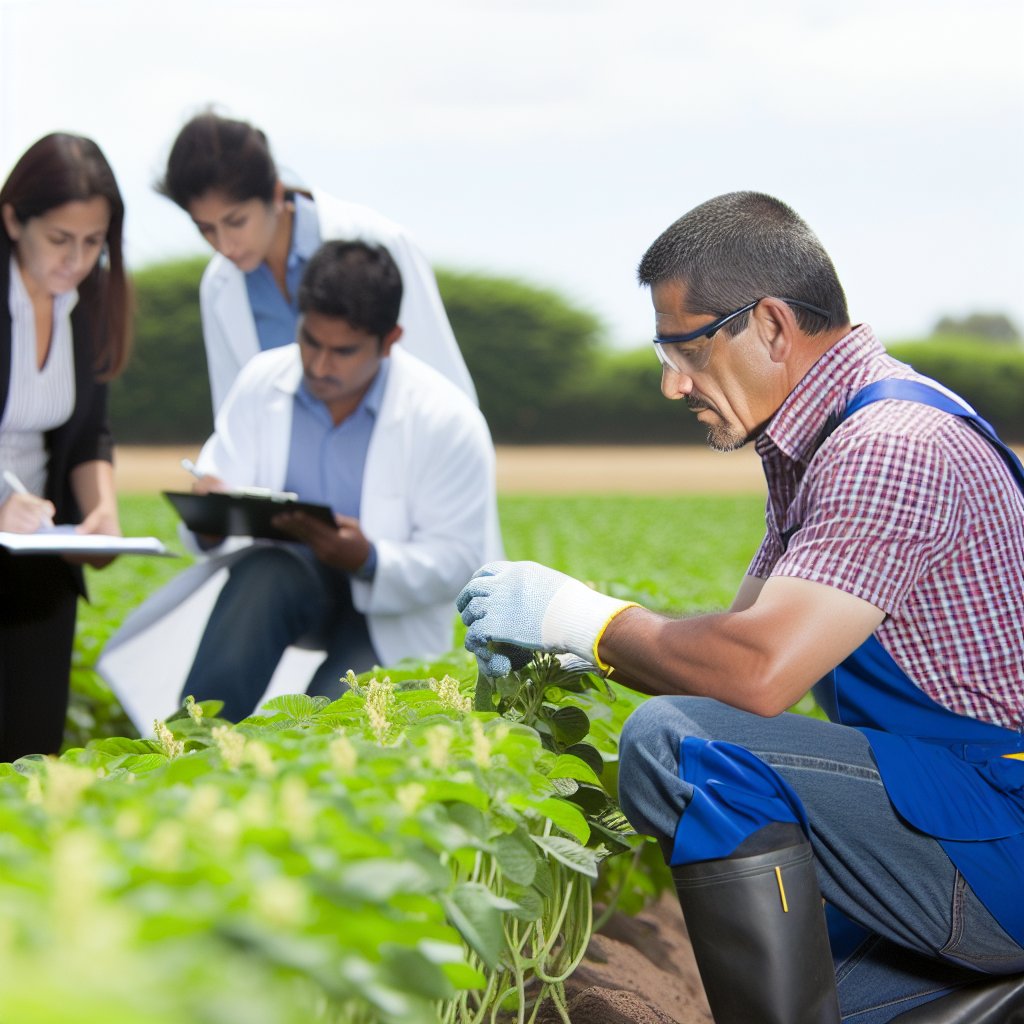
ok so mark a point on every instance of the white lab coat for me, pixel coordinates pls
(428, 504)
(229, 330)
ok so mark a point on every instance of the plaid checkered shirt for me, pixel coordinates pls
(911, 510)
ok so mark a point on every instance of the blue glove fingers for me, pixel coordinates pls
(480, 584)
(495, 659)
(497, 665)
(475, 609)
(500, 663)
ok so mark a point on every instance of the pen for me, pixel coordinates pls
(18, 487)
(245, 492)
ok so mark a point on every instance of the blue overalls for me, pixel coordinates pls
(955, 778)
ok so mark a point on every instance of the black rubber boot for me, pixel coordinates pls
(994, 1001)
(758, 931)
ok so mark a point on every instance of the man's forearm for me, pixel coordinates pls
(723, 655)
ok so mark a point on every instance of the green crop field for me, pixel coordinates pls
(673, 554)
(429, 848)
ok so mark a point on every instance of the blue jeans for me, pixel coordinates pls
(275, 597)
(920, 930)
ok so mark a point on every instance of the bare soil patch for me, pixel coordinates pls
(655, 469)
(637, 970)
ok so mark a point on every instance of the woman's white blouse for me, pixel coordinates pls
(37, 399)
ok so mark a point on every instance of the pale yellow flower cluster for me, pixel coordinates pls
(282, 901)
(344, 755)
(410, 797)
(295, 809)
(171, 747)
(439, 744)
(449, 694)
(195, 712)
(60, 788)
(230, 745)
(481, 745)
(380, 702)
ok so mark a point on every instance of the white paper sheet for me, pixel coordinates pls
(60, 541)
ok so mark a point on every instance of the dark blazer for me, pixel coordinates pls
(85, 437)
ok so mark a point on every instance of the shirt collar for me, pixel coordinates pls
(822, 393)
(63, 304)
(305, 231)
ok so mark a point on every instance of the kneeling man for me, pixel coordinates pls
(347, 419)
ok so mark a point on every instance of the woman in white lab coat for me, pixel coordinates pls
(221, 172)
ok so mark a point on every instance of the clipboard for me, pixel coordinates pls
(64, 541)
(227, 514)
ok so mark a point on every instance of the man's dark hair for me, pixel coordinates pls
(355, 282)
(744, 246)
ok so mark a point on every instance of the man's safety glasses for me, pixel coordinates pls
(691, 352)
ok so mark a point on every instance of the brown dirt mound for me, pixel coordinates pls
(637, 970)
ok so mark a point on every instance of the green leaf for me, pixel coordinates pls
(530, 903)
(571, 854)
(469, 818)
(409, 970)
(589, 754)
(591, 800)
(138, 764)
(299, 707)
(119, 745)
(565, 787)
(566, 816)
(462, 976)
(483, 698)
(568, 766)
(451, 957)
(569, 725)
(542, 880)
(379, 878)
(516, 856)
(470, 908)
(444, 790)
(509, 686)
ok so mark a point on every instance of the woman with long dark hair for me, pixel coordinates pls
(64, 333)
(221, 172)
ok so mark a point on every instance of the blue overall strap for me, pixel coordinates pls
(952, 777)
(927, 394)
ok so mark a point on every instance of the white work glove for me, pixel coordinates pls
(514, 608)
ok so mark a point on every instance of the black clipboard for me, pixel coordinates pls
(240, 515)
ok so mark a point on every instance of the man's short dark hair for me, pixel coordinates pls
(354, 281)
(744, 246)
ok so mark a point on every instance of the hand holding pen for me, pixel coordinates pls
(23, 512)
(206, 483)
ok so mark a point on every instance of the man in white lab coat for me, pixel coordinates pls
(347, 419)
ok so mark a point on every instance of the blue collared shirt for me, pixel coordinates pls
(275, 315)
(326, 461)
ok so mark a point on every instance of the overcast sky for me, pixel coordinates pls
(554, 139)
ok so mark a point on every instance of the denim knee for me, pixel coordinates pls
(657, 727)
(651, 793)
(272, 568)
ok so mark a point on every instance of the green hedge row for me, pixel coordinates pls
(542, 368)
